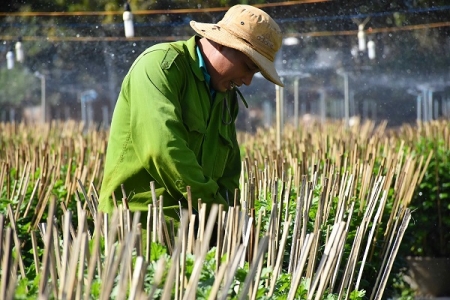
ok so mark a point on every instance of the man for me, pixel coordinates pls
(173, 123)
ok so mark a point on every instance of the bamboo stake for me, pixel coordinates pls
(16, 241)
(191, 242)
(94, 261)
(349, 219)
(42, 203)
(65, 255)
(325, 259)
(22, 188)
(81, 263)
(279, 260)
(254, 268)
(351, 264)
(6, 263)
(299, 269)
(193, 282)
(217, 281)
(148, 239)
(46, 257)
(337, 243)
(393, 254)
(167, 290)
(3, 174)
(159, 272)
(70, 283)
(182, 234)
(297, 226)
(30, 201)
(126, 256)
(56, 258)
(246, 238)
(219, 245)
(370, 237)
(230, 273)
(12, 282)
(35, 252)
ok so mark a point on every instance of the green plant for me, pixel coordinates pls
(17, 86)
(429, 230)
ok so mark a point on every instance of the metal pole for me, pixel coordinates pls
(83, 109)
(436, 109)
(424, 106)
(346, 100)
(296, 102)
(267, 107)
(419, 108)
(43, 102)
(374, 111)
(430, 105)
(365, 109)
(322, 108)
(282, 106)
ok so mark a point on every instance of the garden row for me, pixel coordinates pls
(324, 216)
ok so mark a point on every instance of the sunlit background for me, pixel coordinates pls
(378, 60)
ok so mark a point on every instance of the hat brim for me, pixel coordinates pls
(221, 36)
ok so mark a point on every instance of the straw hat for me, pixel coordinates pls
(249, 30)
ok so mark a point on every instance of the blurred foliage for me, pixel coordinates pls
(12, 83)
(73, 66)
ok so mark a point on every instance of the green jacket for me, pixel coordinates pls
(166, 128)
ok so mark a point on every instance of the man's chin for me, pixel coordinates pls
(221, 89)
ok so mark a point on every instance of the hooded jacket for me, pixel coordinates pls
(167, 128)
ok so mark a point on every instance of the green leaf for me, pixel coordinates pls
(157, 250)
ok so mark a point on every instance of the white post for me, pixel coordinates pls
(361, 38)
(346, 99)
(128, 21)
(20, 57)
(43, 100)
(282, 106)
(10, 60)
(430, 105)
(296, 102)
(371, 49)
(424, 106)
(419, 108)
(322, 106)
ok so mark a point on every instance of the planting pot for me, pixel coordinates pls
(431, 275)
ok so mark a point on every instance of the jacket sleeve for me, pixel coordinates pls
(160, 138)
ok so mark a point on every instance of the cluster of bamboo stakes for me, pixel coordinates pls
(338, 164)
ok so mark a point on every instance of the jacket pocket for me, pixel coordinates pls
(196, 133)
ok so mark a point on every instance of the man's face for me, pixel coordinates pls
(231, 67)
